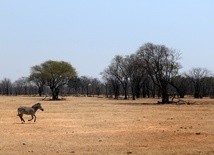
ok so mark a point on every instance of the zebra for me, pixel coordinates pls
(29, 111)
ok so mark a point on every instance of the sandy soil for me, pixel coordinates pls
(101, 126)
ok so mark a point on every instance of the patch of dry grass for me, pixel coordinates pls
(81, 125)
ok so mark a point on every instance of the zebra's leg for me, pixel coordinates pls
(20, 116)
(31, 118)
(34, 118)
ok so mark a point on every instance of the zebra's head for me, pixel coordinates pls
(38, 106)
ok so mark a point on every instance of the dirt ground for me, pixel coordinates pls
(97, 126)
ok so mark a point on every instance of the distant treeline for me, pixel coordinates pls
(88, 86)
(153, 71)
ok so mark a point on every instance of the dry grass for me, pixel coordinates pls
(102, 126)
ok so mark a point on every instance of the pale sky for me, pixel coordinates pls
(89, 33)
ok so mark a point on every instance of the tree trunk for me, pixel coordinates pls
(144, 91)
(55, 93)
(125, 93)
(40, 90)
(106, 90)
(197, 90)
(133, 92)
(137, 92)
(165, 95)
(181, 95)
(196, 93)
(137, 88)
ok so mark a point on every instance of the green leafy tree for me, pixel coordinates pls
(55, 74)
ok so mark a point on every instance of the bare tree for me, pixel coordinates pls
(112, 85)
(136, 74)
(180, 83)
(74, 85)
(37, 78)
(197, 77)
(118, 70)
(96, 87)
(6, 86)
(85, 85)
(161, 64)
(21, 86)
(208, 86)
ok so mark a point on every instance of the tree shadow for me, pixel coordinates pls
(139, 104)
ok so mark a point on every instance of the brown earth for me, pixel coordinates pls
(101, 126)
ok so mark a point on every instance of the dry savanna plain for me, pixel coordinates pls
(97, 126)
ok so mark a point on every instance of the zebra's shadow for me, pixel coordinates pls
(27, 123)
